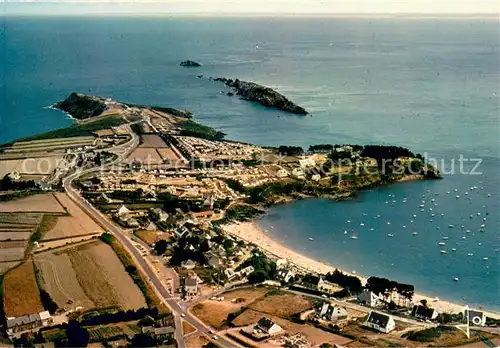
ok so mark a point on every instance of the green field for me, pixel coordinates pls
(78, 130)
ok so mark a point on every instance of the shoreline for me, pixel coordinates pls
(252, 233)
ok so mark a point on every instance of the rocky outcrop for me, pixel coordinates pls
(190, 64)
(263, 95)
(81, 106)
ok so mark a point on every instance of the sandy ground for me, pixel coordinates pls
(77, 224)
(45, 203)
(250, 232)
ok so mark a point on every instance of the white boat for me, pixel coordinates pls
(388, 222)
(455, 279)
(372, 229)
(354, 237)
(445, 238)
(470, 254)
(485, 258)
(311, 239)
(443, 251)
(450, 226)
(454, 249)
(390, 235)
(361, 224)
(414, 233)
(441, 243)
(464, 237)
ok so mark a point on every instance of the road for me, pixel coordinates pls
(178, 312)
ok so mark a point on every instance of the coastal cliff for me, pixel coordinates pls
(81, 106)
(263, 95)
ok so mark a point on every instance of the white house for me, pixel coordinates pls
(191, 286)
(268, 327)
(380, 322)
(123, 211)
(316, 177)
(247, 270)
(297, 172)
(188, 264)
(307, 162)
(282, 173)
(369, 298)
(329, 312)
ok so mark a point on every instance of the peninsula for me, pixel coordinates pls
(263, 95)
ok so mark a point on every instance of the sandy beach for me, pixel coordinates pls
(250, 232)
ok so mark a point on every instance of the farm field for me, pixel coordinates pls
(152, 140)
(19, 235)
(215, 313)
(150, 237)
(145, 156)
(33, 166)
(281, 305)
(12, 251)
(168, 155)
(77, 224)
(5, 266)
(20, 291)
(45, 142)
(20, 219)
(44, 203)
(89, 275)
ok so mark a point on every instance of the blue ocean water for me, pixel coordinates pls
(429, 84)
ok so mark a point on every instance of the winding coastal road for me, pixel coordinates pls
(178, 311)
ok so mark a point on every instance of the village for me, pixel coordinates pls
(124, 239)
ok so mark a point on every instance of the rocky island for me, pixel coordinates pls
(263, 95)
(190, 64)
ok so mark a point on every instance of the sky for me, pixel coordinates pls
(463, 7)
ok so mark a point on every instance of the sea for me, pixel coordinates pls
(431, 85)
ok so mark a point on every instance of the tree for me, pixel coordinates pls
(143, 340)
(257, 277)
(423, 302)
(77, 335)
(161, 246)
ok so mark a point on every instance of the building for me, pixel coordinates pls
(368, 298)
(247, 270)
(297, 172)
(158, 331)
(282, 173)
(188, 264)
(230, 273)
(191, 286)
(307, 162)
(424, 312)
(380, 322)
(123, 211)
(329, 312)
(316, 177)
(476, 318)
(161, 215)
(28, 322)
(268, 327)
(326, 286)
(212, 259)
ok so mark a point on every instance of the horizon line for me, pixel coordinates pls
(347, 15)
